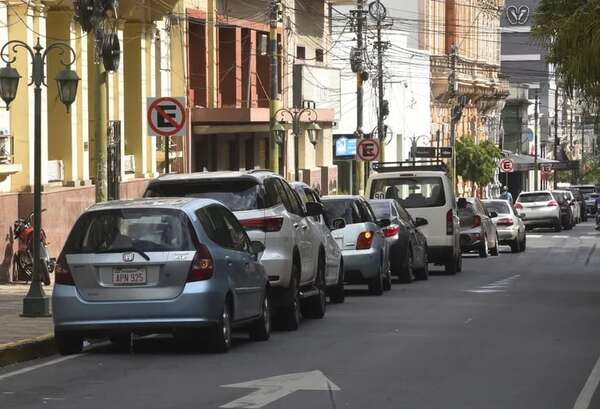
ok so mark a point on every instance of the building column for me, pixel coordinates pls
(325, 146)
(80, 108)
(212, 45)
(238, 67)
(152, 72)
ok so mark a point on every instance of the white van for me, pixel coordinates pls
(424, 190)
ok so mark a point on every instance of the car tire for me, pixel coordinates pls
(423, 273)
(337, 293)
(557, 226)
(495, 251)
(515, 246)
(483, 248)
(260, 330)
(68, 343)
(376, 284)
(314, 307)
(290, 315)
(387, 281)
(524, 243)
(220, 335)
(406, 274)
(452, 267)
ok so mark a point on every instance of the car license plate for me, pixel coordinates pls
(129, 276)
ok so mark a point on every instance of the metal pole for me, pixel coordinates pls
(296, 130)
(535, 159)
(380, 117)
(274, 103)
(100, 127)
(359, 166)
(556, 141)
(167, 159)
(35, 303)
(453, 56)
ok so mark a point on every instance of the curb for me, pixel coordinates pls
(27, 349)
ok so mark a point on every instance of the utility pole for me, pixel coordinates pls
(379, 13)
(275, 103)
(572, 149)
(582, 131)
(456, 111)
(100, 127)
(535, 159)
(556, 140)
(357, 61)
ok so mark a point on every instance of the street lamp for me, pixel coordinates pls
(35, 303)
(277, 132)
(295, 115)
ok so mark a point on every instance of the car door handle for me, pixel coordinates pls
(304, 227)
(296, 225)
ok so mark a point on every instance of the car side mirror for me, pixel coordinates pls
(384, 222)
(314, 209)
(257, 247)
(493, 215)
(338, 224)
(419, 221)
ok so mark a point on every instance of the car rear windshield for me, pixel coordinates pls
(117, 230)
(342, 209)
(236, 194)
(382, 210)
(535, 197)
(500, 207)
(411, 192)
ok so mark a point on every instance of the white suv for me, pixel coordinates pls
(272, 213)
(425, 191)
(539, 209)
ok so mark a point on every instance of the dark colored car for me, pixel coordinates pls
(566, 213)
(408, 246)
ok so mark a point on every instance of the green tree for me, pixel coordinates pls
(476, 163)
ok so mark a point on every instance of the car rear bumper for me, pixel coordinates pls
(278, 268)
(361, 265)
(507, 235)
(470, 241)
(199, 304)
(548, 221)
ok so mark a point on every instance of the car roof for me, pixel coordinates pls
(341, 197)
(535, 192)
(299, 184)
(257, 174)
(182, 203)
(408, 173)
(388, 201)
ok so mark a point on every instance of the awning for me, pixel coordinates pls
(523, 163)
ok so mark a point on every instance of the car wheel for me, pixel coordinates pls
(376, 284)
(483, 248)
(314, 307)
(407, 274)
(261, 328)
(557, 226)
(515, 246)
(452, 267)
(423, 273)
(337, 293)
(524, 243)
(495, 251)
(290, 314)
(387, 282)
(459, 263)
(220, 337)
(68, 343)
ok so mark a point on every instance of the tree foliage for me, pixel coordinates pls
(570, 30)
(476, 163)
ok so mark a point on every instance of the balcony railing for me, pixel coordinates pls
(6, 149)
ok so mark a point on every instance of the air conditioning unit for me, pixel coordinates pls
(56, 171)
(129, 164)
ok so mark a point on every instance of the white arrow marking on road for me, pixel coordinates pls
(276, 387)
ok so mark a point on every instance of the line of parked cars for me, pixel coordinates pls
(207, 253)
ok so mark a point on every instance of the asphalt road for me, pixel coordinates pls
(514, 331)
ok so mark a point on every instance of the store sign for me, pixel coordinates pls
(345, 148)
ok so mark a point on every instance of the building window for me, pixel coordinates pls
(300, 53)
(319, 55)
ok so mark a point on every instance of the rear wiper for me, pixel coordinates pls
(124, 249)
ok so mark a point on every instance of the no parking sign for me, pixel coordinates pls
(166, 116)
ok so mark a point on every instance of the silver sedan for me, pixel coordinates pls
(510, 227)
(159, 265)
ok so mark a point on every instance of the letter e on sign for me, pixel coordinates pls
(367, 150)
(506, 166)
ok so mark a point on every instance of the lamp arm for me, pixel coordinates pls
(15, 45)
(62, 49)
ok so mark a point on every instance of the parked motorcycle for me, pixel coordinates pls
(23, 257)
(597, 227)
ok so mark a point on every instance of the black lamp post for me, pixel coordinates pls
(295, 115)
(35, 303)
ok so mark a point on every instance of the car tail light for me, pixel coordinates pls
(552, 203)
(266, 224)
(450, 223)
(202, 265)
(518, 206)
(391, 231)
(476, 221)
(62, 272)
(364, 241)
(505, 222)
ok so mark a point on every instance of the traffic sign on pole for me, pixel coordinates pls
(368, 150)
(506, 166)
(166, 116)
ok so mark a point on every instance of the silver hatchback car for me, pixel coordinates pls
(159, 265)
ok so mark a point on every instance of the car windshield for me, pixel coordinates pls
(142, 230)
(236, 194)
(342, 209)
(500, 207)
(535, 197)
(411, 192)
(382, 210)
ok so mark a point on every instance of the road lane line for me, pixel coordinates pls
(534, 236)
(39, 366)
(587, 393)
(560, 237)
(587, 260)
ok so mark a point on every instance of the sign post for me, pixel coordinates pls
(166, 118)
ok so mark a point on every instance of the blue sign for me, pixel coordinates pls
(345, 147)
(530, 135)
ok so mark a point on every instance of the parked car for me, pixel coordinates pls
(566, 209)
(477, 230)
(407, 246)
(335, 267)
(575, 206)
(510, 227)
(580, 198)
(272, 213)
(153, 266)
(590, 203)
(425, 191)
(539, 209)
(359, 235)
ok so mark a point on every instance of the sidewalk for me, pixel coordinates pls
(22, 338)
